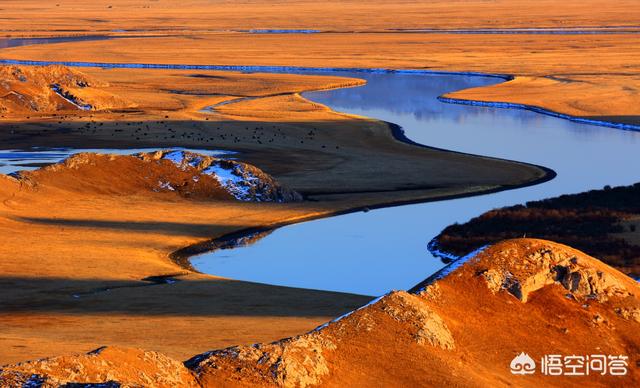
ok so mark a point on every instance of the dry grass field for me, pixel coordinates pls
(576, 70)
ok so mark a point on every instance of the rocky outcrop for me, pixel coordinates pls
(304, 360)
(111, 367)
(168, 173)
(241, 180)
(545, 267)
(295, 362)
(426, 326)
(450, 326)
(51, 89)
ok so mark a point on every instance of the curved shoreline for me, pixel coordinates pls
(537, 109)
(294, 69)
(182, 257)
(248, 68)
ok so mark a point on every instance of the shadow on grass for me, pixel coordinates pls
(163, 227)
(179, 297)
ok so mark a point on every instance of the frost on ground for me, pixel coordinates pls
(168, 173)
(242, 181)
(70, 98)
(238, 182)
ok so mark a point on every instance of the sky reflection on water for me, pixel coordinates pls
(372, 253)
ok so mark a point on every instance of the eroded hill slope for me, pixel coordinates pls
(463, 326)
(25, 89)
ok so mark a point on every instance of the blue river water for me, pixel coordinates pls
(374, 252)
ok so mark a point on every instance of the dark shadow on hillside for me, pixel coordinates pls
(346, 156)
(180, 298)
(592, 221)
(169, 228)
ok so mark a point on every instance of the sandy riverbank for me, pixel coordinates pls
(26, 17)
(582, 75)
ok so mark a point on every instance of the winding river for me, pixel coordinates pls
(376, 251)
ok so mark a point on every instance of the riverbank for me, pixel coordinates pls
(123, 16)
(556, 72)
(600, 222)
(79, 241)
(430, 336)
(286, 135)
(87, 260)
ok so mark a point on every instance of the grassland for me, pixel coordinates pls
(108, 241)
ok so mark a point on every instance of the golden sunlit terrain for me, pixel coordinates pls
(95, 249)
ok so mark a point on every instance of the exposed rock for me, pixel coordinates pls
(496, 280)
(431, 292)
(108, 366)
(426, 326)
(181, 173)
(53, 88)
(295, 362)
(545, 267)
(629, 313)
(243, 181)
(301, 361)
(459, 330)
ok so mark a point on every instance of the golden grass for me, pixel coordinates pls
(44, 262)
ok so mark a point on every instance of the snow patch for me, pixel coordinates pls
(234, 179)
(243, 182)
(177, 157)
(166, 186)
(183, 159)
(70, 98)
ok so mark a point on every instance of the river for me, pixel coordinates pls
(373, 252)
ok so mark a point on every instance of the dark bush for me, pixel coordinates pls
(587, 221)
